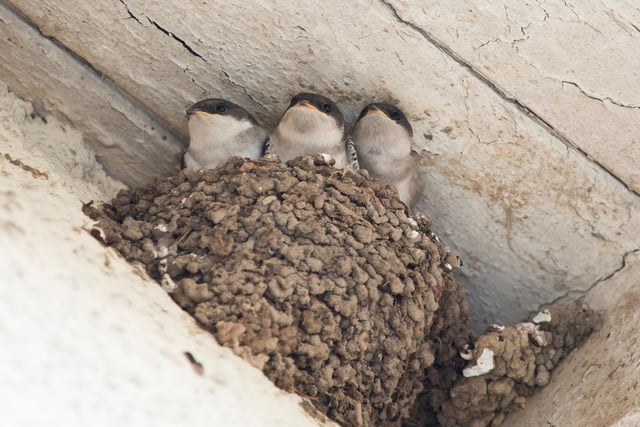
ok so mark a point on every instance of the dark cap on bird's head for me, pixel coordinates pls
(220, 106)
(390, 111)
(319, 103)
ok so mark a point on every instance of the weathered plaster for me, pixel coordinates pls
(527, 116)
(572, 65)
(87, 339)
(537, 212)
(598, 384)
(123, 134)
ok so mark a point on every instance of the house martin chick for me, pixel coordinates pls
(382, 137)
(219, 129)
(311, 125)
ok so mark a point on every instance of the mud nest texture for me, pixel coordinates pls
(316, 275)
(322, 279)
(505, 365)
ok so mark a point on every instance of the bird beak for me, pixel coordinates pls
(196, 113)
(375, 110)
(306, 104)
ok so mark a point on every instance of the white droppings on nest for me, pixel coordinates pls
(542, 317)
(161, 227)
(526, 327)
(168, 284)
(163, 252)
(413, 235)
(413, 223)
(448, 266)
(524, 356)
(326, 158)
(484, 364)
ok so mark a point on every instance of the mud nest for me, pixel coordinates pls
(318, 276)
(505, 366)
(322, 279)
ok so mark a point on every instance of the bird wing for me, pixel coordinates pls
(189, 162)
(352, 155)
(266, 146)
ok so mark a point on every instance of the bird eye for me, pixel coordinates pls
(326, 108)
(395, 115)
(221, 109)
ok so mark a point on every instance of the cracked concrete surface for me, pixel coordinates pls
(598, 98)
(173, 36)
(530, 180)
(591, 45)
(597, 385)
(87, 338)
(120, 131)
(526, 115)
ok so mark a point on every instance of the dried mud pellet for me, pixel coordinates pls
(197, 292)
(316, 275)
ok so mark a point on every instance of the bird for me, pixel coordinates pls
(312, 124)
(382, 137)
(219, 129)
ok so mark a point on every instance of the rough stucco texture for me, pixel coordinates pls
(568, 62)
(121, 132)
(528, 175)
(598, 384)
(86, 338)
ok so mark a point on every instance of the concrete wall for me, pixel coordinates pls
(527, 115)
(598, 384)
(86, 339)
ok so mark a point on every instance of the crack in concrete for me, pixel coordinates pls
(597, 98)
(593, 232)
(467, 108)
(524, 37)
(483, 44)
(184, 44)
(186, 72)
(572, 9)
(585, 23)
(131, 15)
(529, 112)
(170, 34)
(513, 41)
(545, 11)
(243, 89)
(119, 91)
(584, 292)
(474, 134)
